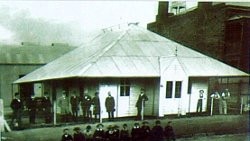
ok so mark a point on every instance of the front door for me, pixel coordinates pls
(103, 93)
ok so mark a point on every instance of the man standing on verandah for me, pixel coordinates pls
(110, 106)
(140, 104)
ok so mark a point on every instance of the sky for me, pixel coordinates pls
(65, 21)
(59, 21)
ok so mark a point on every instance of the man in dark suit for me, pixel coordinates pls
(110, 106)
(32, 110)
(47, 108)
(74, 101)
(86, 104)
(140, 104)
(17, 107)
(96, 106)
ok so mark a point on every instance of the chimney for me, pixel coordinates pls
(162, 10)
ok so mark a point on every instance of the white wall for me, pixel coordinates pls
(173, 72)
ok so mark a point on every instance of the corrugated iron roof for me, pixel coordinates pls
(31, 54)
(134, 52)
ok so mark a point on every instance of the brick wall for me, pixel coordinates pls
(202, 29)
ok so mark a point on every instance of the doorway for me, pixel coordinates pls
(103, 93)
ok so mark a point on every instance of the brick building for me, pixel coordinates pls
(219, 30)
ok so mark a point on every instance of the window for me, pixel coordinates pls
(169, 89)
(176, 86)
(178, 89)
(125, 87)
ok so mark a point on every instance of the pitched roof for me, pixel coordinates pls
(31, 54)
(133, 52)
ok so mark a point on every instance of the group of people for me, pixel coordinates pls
(113, 133)
(74, 101)
(90, 106)
(33, 105)
(219, 101)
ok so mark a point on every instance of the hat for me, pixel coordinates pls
(88, 127)
(136, 124)
(157, 122)
(77, 129)
(66, 129)
(110, 127)
(144, 122)
(116, 127)
(98, 125)
(16, 94)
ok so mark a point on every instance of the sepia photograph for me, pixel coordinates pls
(127, 70)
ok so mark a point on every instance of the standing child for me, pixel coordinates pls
(78, 135)
(110, 135)
(145, 131)
(66, 136)
(157, 133)
(99, 134)
(88, 133)
(124, 134)
(136, 132)
(116, 133)
(169, 132)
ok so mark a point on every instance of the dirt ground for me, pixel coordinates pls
(212, 128)
(231, 137)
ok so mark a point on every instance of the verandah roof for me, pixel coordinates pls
(133, 52)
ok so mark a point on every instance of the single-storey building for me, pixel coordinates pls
(19, 60)
(123, 61)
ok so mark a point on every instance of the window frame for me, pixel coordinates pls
(173, 89)
(169, 89)
(178, 89)
(125, 86)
